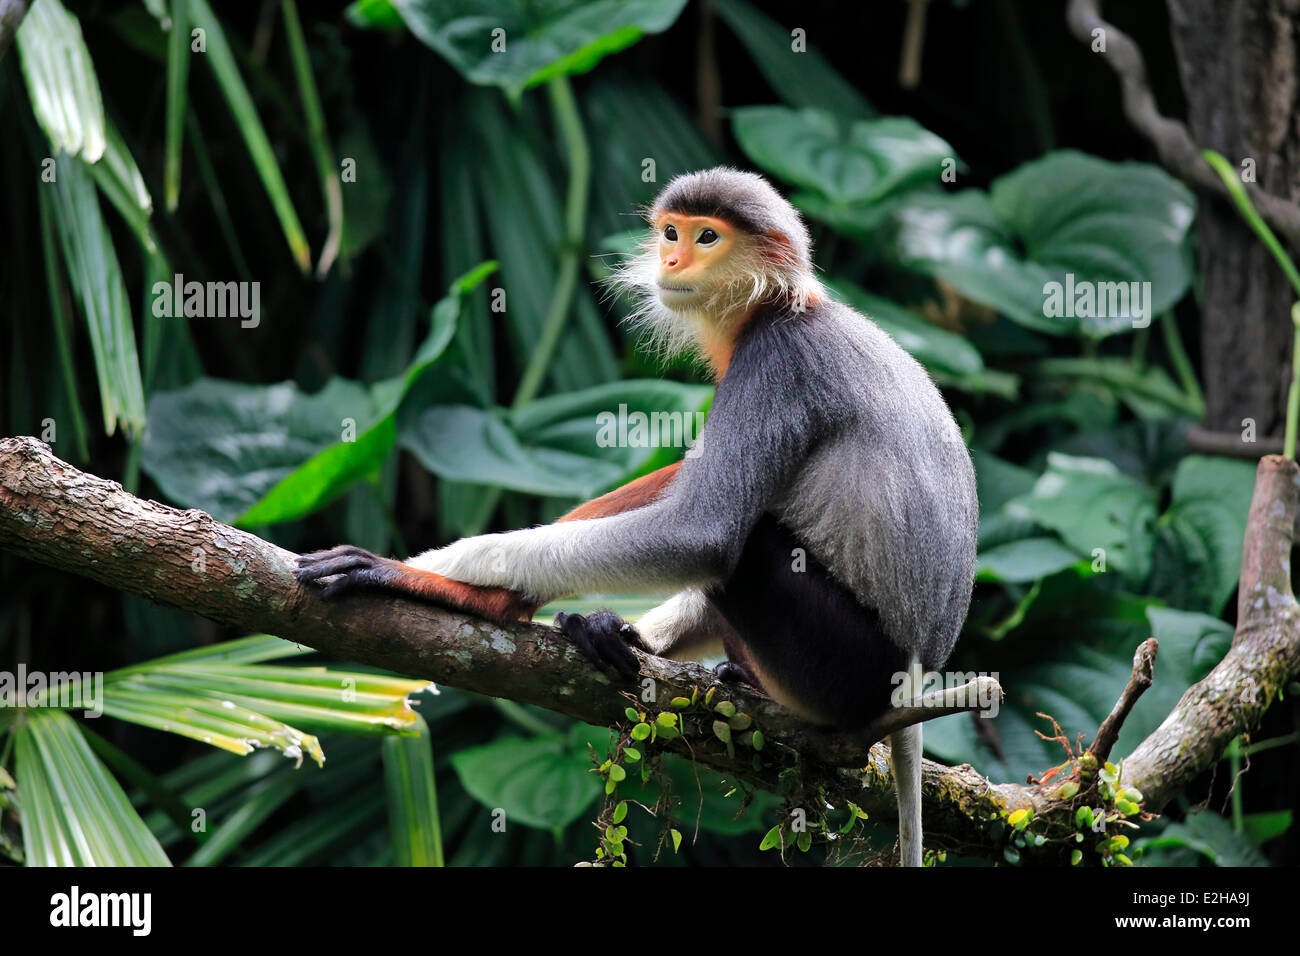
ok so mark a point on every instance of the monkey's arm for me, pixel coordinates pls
(759, 432)
(353, 567)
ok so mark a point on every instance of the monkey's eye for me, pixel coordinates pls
(670, 233)
(707, 237)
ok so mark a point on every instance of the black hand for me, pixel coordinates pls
(605, 639)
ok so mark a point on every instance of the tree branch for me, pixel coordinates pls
(1178, 152)
(11, 18)
(54, 514)
(1144, 662)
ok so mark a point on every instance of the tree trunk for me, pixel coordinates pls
(1237, 59)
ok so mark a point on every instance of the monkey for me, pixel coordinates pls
(822, 530)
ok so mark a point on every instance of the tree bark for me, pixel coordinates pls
(52, 513)
(1237, 60)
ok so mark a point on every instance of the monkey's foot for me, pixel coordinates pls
(355, 569)
(605, 639)
(352, 568)
(729, 672)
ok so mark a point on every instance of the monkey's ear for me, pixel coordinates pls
(778, 248)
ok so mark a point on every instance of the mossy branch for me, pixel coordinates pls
(54, 514)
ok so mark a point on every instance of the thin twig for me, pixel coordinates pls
(1144, 662)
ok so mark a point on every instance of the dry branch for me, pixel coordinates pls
(54, 514)
(1143, 674)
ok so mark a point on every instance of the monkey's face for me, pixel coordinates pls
(696, 259)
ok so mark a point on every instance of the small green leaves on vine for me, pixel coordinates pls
(1066, 791)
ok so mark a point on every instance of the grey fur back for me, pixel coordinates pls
(888, 502)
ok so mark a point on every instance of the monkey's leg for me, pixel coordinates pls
(685, 627)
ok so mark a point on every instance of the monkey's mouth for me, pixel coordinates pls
(674, 288)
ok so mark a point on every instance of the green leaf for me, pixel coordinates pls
(412, 798)
(119, 179)
(222, 446)
(538, 41)
(373, 15)
(1210, 835)
(1197, 556)
(269, 454)
(74, 812)
(615, 109)
(933, 347)
(97, 280)
(1026, 560)
(571, 445)
(801, 78)
(539, 782)
(222, 60)
(860, 162)
(1091, 504)
(1262, 827)
(317, 136)
(1149, 391)
(178, 73)
(61, 81)
(223, 696)
(1069, 219)
(513, 184)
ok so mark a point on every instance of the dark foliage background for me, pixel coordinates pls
(463, 421)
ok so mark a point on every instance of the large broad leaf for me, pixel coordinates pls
(801, 77)
(1198, 546)
(61, 81)
(571, 445)
(536, 41)
(1054, 245)
(262, 454)
(74, 812)
(221, 446)
(541, 782)
(1026, 560)
(935, 348)
(858, 162)
(1092, 505)
(1207, 834)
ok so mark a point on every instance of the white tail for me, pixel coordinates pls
(905, 760)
